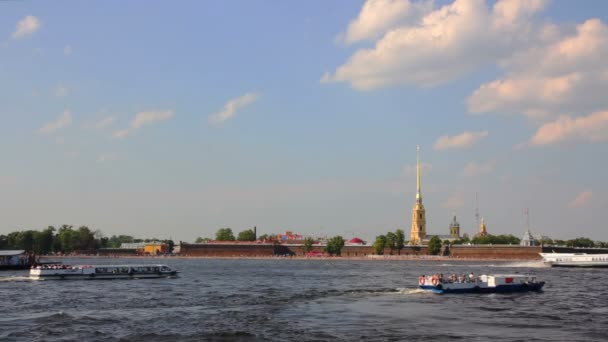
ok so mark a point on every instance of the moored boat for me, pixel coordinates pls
(503, 283)
(575, 259)
(101, 271)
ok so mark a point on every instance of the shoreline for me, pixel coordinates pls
(337, 258)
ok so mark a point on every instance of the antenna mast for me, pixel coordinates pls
(476, 210)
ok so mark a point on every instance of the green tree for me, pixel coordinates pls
(246, 235)
(308, 242)
(4, 242)
(202, 240)
(224, 234)
(400, 239)
(580, 242)
(434, 245)
(43, 241)
(391, 241)
(380, 244)
(334, 245)
(116, 241)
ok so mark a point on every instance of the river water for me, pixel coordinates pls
(303, 300)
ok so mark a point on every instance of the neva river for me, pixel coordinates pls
(302, 300)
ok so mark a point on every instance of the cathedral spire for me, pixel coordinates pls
(418, 193)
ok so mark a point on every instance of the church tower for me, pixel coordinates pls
(455, 229)
(483, 230)
(418, 232)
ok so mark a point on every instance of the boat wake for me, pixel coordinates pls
(527, 264)
(410, 291)
(16, 278)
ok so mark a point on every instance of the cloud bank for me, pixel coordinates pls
(231, 107)
(461, 141)
(63, 121)
(26, 27)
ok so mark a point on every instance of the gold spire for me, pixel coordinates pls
(418, 194)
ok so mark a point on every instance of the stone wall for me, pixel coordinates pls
(228, 250)
(495, 252)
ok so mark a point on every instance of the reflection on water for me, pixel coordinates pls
(303, 300)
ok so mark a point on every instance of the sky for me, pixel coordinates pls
(174, 119)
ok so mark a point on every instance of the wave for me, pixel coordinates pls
(16, 278)
(410, 291)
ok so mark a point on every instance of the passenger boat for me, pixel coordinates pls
(575, 259)
(504, 283)
(101, 271)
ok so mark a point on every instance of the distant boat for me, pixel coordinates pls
(575, 259)
(101, 272)
(480, 284)
(16, 259)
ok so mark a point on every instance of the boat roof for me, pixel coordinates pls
(11, 252)
(127, 265)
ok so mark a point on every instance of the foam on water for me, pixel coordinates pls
(16, 278)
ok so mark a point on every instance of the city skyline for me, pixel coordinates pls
(173, 121)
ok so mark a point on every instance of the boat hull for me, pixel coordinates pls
(102, 276)
(583, 260)
(88, 272)
(511, 288)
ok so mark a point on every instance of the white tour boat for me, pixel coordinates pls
(575, 259)
(503, 283)
(101, 271)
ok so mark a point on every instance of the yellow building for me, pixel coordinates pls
(155, 248)
(483, 231)
(455, 229)
(418, 231)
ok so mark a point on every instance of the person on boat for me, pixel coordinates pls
(472, 277)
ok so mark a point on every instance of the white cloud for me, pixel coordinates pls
(461, 141)
(67, 50)
(231, 107)
(410, 170)
(122, 133)
(455, 201)
(564, 74)
(105, 122)
(145, 118)
(378, 16)
(593, 128)
(581, 200)
(106, 157)
(473, 169)
(142, 119)
(444, 45)
(61, 90)
(26, 27)
(64, 120)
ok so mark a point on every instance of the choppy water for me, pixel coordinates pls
(304, 300)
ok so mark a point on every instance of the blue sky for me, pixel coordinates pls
(153, 118)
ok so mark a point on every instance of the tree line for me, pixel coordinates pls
(66, 239)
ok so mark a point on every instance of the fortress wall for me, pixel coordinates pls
(227, 250)
(496, 252)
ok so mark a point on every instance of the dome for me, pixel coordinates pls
(356, 240)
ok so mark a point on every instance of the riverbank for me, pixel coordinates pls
(264, 257)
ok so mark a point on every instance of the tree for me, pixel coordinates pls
(334, 245)
(116, 241)
(308, 242)
(391, 241)
(380, 244)
(202, 240)
(400, 240)
(224, 234)
(434, 245)
(246, 235)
